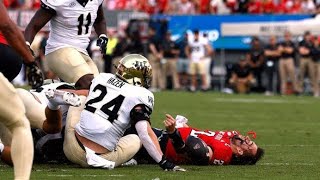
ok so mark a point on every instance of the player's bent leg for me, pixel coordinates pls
(126, 148)
(12, 114)
(71, 147)
(35, 111)
(68, 64)
(21, 148)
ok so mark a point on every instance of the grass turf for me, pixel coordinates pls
(287, 128)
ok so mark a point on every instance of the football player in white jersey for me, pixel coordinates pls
(70, 23)
(115, 102)
(197, 51)
(46, 108)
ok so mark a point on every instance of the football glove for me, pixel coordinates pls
(102, 42)
(169, 166)
(34, 75)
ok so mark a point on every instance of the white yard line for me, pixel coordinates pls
(265, 101)
(86, 175)
(290, 145)
(286, 164)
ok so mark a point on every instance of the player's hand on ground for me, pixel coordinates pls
(102, 42)
(169, 166)
(34, 75)
(170, 124)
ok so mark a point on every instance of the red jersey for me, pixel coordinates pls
(219, 142)
(3, 39)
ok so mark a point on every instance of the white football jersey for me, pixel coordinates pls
(197, 49)
(72, 24)
(107, 110)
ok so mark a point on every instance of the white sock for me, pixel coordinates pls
(1, 147)
(53, 106)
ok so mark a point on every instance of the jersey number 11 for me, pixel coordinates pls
(81, 19)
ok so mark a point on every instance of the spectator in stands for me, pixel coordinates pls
(316, 59)
(170, 54)
(286, 64)
(256, 61)
(198, 50)
(308, 7)
(219, 7)
(155, 57)
(241, 77)
(272, 54)
(183, 62)
(293, 6)
(186, 7)
(255, 7)
(269, 7)
(162, 6)
(306, 63)
(204, 7)
(242, 6)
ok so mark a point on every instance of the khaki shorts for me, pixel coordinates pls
(197, 68)
(35, 111)
(126, 148)
(11, 107)
(70, 65)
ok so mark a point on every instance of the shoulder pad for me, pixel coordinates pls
(146, 97)
(49, 5)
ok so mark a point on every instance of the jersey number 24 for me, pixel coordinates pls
(116, 102)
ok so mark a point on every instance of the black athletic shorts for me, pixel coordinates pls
(10, 62)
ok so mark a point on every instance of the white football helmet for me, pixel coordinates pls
(135, 69)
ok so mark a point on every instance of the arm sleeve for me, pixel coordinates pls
(141, 127)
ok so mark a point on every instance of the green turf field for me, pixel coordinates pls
(287, 128)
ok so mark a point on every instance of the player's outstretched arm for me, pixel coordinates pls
(14, 35)
(38, 21)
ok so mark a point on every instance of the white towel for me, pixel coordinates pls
(181, 121)
(97, 161)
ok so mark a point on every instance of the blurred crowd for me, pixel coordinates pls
(281, 65)
(197, 6)
(273, 65)
(217, 6)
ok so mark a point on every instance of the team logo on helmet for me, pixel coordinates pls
(135, 69)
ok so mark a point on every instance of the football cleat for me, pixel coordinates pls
(131, 162)
(60, 97)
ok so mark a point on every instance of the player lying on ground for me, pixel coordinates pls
(94, 136)
(45, 107)
(187, 145)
